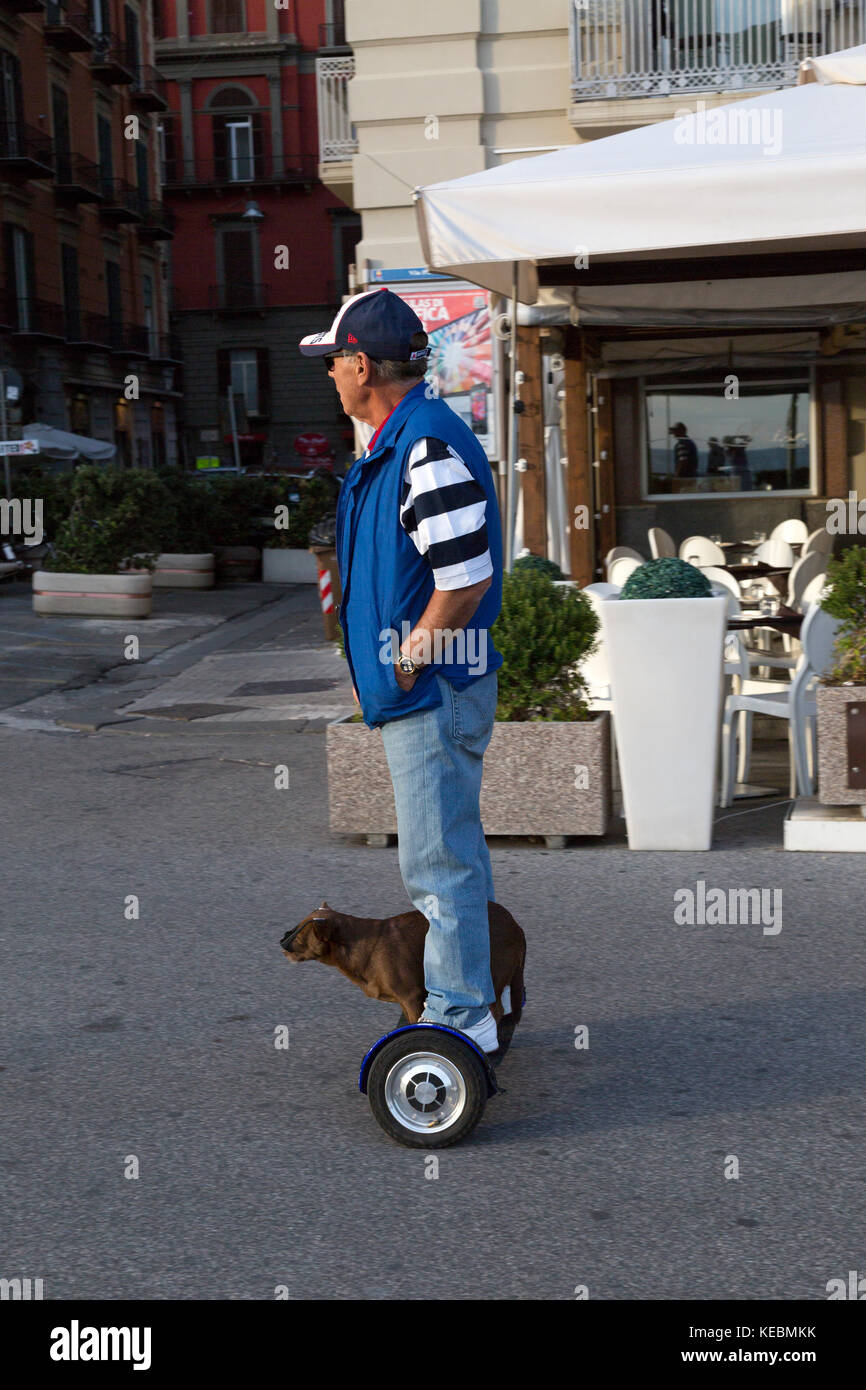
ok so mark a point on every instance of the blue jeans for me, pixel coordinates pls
(435, 758)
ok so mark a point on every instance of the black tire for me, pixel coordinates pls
(461, 1058)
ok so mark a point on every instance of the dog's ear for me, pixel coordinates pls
(318, 937)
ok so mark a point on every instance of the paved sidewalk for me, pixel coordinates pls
(246, 652)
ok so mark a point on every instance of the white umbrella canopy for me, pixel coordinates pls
(784, 171)
(60, 444)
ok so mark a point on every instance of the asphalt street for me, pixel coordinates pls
(157, 1144)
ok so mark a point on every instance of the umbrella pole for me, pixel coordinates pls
(511, 490)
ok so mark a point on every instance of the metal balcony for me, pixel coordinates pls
(76, 179)
(157, 223)
(651, 48)
(25, 153)
(166, 349)
(121, 201)
(148, 90)
(67, 30)
(112, 62)
(241, 172)
(30, 317)
(238, 297)
(337, 138)
(135, 340)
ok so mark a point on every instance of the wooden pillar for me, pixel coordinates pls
(530, 441)
(578, 486)
(603, 464)
(833, 417)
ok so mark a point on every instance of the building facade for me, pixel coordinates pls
(83, 306)
(262, 247)
(433, 93)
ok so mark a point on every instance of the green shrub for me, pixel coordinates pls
(237, 502)
(114, 513)
(52, 487)
(846, 601)
(541, 566)
(191, 518)
(315, 500)
(543, 634)
(666, 578)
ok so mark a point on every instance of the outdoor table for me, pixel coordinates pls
(786, 620)
(777, 577)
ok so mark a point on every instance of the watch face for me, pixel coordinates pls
(407, 665)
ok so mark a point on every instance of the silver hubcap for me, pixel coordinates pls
(425, 1091)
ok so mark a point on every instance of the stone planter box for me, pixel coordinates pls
(288, 566)
(540, 778)
(184, 572)
(834, 787)
(238, 563)
(93, 595)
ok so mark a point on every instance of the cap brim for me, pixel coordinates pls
(318, 344)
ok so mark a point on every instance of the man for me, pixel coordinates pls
(685, 453)
(420, 557)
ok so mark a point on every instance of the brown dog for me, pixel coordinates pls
(386, 957)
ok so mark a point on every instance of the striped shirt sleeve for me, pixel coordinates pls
(442, 508)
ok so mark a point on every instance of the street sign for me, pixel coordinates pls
(209, 436)
(207, 461)
(18, 446)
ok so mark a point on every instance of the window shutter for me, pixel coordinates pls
(220, 147)
(259, 153)
(224, 371)
(263, 357)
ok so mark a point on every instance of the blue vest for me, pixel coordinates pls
(385, 581)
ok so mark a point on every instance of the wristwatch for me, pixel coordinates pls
(408, 665)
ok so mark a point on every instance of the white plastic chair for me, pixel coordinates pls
(807, 568)
(819, 540)
(796, 702)
(619, 570)
(777, 554)
(723, 577)
(794, 531)
(814, 591)
(621, 552)
(700, 550)
(661, 544)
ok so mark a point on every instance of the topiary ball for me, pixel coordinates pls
(667, 578)
(540, 565)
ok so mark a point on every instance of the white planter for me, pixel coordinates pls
(666, 660)
(184, 572)
(93, 595)
(288, 566)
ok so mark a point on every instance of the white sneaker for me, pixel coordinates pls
(484, 1033)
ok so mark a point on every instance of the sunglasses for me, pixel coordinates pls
(330, 358)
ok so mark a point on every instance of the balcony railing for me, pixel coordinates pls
(113, 62)
(121, 201)
(643, 48)
(242, 170)
(337, 139)
(148, 90)
(165, 347)
(37, 317)
(68, 30)
(157, 221)
(238, 297)
(25, 152)
(77, 178)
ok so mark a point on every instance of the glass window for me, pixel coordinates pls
(227, 16)
(700, 442)
(245, 377)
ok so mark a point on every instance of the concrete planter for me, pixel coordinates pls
(834, 787)
(666, 671)
(184, 572)
(93, 595)
(288, 566)
(238, 563)
(540, 778)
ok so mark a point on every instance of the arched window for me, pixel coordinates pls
(237, 135)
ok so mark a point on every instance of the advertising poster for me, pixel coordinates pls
(457, 322)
